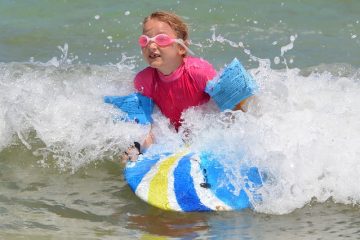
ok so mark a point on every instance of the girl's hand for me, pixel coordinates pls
(131, 154)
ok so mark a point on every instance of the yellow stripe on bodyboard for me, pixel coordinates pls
(158, 187)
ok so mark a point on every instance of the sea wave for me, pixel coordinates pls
(302, 128)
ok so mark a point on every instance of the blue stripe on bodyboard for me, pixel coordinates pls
(135, 171)
(220, 184)
(184, 187)
(252, 176)
(253, 181)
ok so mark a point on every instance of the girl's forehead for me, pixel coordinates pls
(154, 27)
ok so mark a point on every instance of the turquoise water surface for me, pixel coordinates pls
(60, 177)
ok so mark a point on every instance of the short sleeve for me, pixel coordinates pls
(143, 82)
(200, 70)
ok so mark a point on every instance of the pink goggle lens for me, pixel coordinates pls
(161, 40)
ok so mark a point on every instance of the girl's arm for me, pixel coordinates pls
(148, 141)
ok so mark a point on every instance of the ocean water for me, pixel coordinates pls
(60, 177)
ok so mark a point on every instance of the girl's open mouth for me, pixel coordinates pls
(154, 55)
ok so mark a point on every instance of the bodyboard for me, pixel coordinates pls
(191, 182)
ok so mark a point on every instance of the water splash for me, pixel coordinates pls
(301, 129)
(64, 110)
(66, 58)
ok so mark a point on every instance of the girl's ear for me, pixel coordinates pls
(182, 51)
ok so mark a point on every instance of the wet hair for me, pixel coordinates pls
(175, 22)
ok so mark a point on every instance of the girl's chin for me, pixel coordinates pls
(155, 63)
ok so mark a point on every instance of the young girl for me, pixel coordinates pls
(174, 80)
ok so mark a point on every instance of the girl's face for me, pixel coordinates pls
(166, 59)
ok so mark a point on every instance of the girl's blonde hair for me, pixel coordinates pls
(175, 22)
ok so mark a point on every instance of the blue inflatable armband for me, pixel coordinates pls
(137, 107)
(232, 86)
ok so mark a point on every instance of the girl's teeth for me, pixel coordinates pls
(154, 55)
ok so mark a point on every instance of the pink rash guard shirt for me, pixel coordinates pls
(183, 88)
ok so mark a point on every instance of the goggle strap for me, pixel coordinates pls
(181, 42)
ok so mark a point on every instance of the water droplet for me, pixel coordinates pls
(276, 60)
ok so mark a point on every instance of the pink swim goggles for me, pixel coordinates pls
(162, 40)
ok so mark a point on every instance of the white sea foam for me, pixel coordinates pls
(302, 129)
(63, 105)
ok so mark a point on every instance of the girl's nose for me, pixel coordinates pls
(152, 45)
